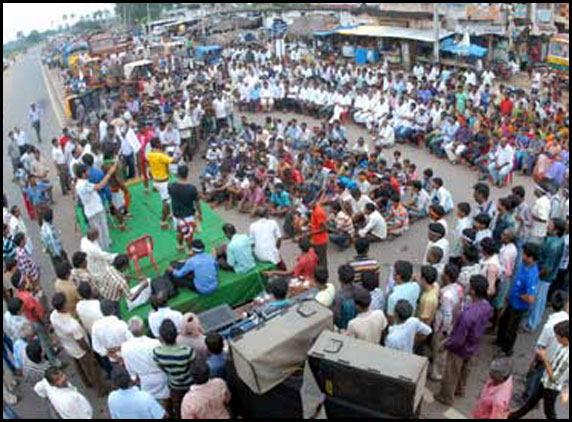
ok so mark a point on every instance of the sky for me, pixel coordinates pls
(40, 16)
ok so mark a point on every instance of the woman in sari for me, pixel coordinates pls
(560, 166)
(551, 153)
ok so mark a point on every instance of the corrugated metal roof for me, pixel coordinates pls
(425, 35)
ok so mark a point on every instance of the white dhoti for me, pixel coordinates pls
(453, 151)
(156, 384)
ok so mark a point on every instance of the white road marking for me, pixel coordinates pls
(55, 104)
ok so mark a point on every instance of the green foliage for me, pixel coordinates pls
(133, 13)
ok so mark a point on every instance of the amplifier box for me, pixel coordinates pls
(369, 376)
(271, 352)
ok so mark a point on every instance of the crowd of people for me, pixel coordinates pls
(507, 262)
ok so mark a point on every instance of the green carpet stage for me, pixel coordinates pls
(233, 290)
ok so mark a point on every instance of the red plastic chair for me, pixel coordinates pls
(139, 249)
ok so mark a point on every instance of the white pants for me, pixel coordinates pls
(452, 152)
(267, 103)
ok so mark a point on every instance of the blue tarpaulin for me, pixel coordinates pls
(449, 46)
(332, 31)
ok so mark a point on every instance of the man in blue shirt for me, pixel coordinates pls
(280, 201)
(129, 402)
(96, 175)
(37, 193)
(521, 298)
(199, 273)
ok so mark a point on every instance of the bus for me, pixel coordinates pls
(558, 53)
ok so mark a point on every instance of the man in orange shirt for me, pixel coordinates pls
(319, 234)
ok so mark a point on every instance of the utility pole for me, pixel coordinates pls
(436, 44)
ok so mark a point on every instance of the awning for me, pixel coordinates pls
(333, 31)
(449, 46)
(423, 35)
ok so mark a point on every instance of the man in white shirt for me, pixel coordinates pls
(103, 126)
(540, 214)
(267, 238)
(137, 355)
(88, 309)
(219, 105)
(376, 227)
(93, 208)
(503, 163)
(59, 159)
(109, 333)
(386, 135)
(161, 313)
(402, 336)
(488, 77)
(75, 343)
(367, 325)
(547, 339)
(21, 138)
(63, 396)
(98, 261)
(441, 196)
(418, 71)
(266, 97)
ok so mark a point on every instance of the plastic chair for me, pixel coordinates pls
(139, 249)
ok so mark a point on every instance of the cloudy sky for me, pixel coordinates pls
(40, 16)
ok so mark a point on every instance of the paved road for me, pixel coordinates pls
(24, 84)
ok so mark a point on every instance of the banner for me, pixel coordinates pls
(483, 13)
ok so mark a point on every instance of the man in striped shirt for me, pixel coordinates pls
(9, 250)
(175, 360)
(26, 265)
(113, 285)
(362, 263)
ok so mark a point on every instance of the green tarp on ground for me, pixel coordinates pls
(233, 290)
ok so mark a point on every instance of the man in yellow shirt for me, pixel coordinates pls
(429, 301)
(159, 162)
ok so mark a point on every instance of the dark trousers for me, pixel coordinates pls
(222, 259)
(561, 283)
(548, 396)
(89, 372)
(177, 397)
(322, 252)
(341, 240)
(129, 161)
(64, 177)
(508, 329)
(36, 126)
(187, 282)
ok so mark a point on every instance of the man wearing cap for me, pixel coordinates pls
(199, 273)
